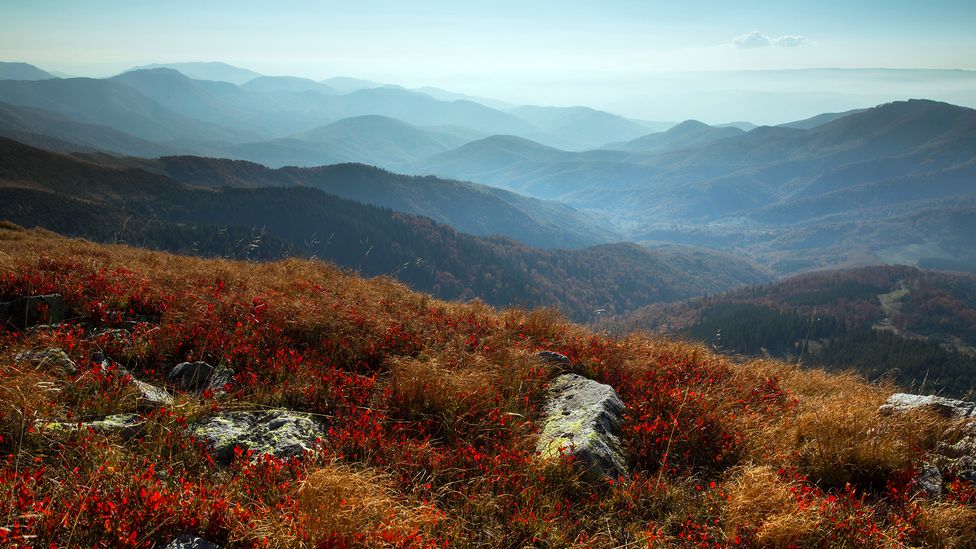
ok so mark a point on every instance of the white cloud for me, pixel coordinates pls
(756, 39)
(791, 41)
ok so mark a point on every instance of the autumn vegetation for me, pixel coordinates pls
(431, 411)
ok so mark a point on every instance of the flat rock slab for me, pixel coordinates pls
(946, 407)
(582, 420)
(52, 358)
(281, 434)
(125, 425)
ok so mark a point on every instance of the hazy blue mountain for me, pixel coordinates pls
(742, 125)
(476, 209)
(842, 193)
(445, 95)
(578, 128)
(690, 133)
(423, 110)
(58, 132)
(347, 84)
(115, 105)
(22, 71)
(819, 120)
(273, 84)
(370, 139)
(212, 101)
(221, 72)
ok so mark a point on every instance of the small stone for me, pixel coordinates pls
(930, 480)
(280, 433)
(553, 357)
(150, 396)
(590, 431)
(49, 358)
(191, 376)
(32, 310)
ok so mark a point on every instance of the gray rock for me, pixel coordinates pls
(958, 454)
(125, 425)
(219, 380)
(49, 358)
(189, 541)
(191, 376)
(32, 310)
(930, 480)
(553, 357)
(280, 433)
(947, 407)
(151, 396)
(582, 419)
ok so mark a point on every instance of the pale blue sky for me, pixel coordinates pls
(514, 50)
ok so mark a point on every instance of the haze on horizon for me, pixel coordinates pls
(707, 59)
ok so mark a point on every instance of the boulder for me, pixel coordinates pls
(553, 357)
(191, 376)
(32, 310)
(280, 433)
(189, 541)
(946, 407)
(957, 452)
(51, 358)
(582, 420)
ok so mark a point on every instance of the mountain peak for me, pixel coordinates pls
(22, 71)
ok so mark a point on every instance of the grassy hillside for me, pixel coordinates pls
(432, 411)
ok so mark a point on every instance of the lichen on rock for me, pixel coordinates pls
(280, 433)
(582, 420)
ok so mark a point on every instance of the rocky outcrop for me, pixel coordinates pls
(32, 310)
(189, 541)
(946, 407)
(280, 433)
(956, 453)
(52, 359)
(582, 420)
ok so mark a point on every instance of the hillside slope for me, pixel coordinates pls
(922, 322)
(80, 198)
(427, 416)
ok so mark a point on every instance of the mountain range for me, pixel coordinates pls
(889, 184)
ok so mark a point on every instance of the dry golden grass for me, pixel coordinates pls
(763, 503)
(833, 433)
(950, 525)
(347, 500)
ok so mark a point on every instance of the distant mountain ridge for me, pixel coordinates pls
(22, 71)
